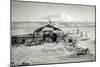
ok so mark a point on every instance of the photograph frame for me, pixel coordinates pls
(49, 3)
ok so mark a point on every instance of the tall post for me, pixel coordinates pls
(49, 21)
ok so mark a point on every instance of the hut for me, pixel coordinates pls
(48, 33)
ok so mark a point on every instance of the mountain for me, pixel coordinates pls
(63, 17)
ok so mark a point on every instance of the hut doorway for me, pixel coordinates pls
(49, 36)
(54, 37)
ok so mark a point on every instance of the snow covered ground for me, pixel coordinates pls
(49, 53)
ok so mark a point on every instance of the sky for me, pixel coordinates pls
(30, 11)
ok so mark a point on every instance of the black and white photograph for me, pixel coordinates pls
(52, 33)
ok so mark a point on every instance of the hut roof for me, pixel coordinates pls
(48, 25)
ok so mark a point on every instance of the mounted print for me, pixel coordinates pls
(52, 33)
